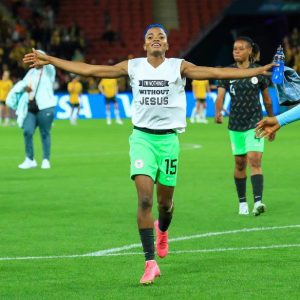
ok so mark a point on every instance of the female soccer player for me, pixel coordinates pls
(159, 114)
(245, 112)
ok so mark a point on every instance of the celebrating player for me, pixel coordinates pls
(159, 114)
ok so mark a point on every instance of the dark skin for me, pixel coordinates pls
(156, 46)
(241, 54)
(267, 127)
(145, 188)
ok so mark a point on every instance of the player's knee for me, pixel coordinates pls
(240, 165)
(145, 203)
(166, 207)
(255, 163)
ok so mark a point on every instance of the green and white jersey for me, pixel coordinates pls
(159, 100)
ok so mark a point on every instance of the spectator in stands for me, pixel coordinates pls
(16, 4)
(106, 18)
(74, 31)
(287, 51)
(49, 16)
(78, 55)
(291, 46)
(55, 41)
(18, 31)
(109, 35)
(159, 114)
(295, 37)
(82, 41)
(296, 66)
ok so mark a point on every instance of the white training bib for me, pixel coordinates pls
(159, 100)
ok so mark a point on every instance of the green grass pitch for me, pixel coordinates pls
(86, 203)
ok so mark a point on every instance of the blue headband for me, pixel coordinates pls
(155, 25)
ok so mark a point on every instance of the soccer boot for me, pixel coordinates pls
(162, 247)
(151, 271)
(259, 208)
(243, 208)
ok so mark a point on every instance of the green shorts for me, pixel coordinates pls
(155, 156)
(243, 142)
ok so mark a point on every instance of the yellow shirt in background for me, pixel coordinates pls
(5, 86)
(109, 86)
(75, 89)
(200, 88)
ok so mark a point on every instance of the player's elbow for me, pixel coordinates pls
(88, 71)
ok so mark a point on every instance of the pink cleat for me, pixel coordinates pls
(162, 246)
(151, 271)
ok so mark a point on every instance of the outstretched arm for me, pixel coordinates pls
(197, 72)
(36, 58)
(271, 124)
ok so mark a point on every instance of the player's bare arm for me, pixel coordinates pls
(267, 102)
(36, 58)
(219, 105)
(198, 72)
(269, 108)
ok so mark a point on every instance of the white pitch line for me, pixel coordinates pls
(170, 252)
(214, 250)
(202, 235)
(237, 249)
(115, 251)
(196, 236)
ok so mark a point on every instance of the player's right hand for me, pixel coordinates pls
(35, 59)
(267, 127)
(28, 89)
(219, 118)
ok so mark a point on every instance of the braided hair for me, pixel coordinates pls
(255, 48)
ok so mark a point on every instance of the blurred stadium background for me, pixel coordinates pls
(109, 31)
(98, 31)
